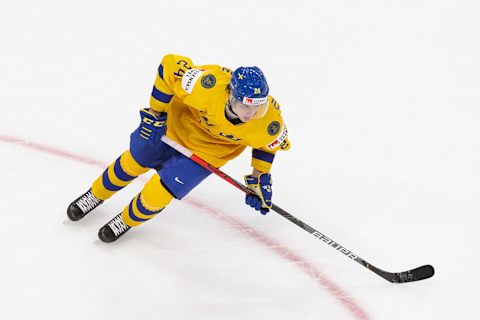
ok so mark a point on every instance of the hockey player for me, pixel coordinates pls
(214, 112)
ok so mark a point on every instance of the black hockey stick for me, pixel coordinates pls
(420, 273)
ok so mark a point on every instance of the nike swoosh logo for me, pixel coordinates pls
(178, 180)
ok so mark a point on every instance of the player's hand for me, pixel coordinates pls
(153, 125)
(261, 199)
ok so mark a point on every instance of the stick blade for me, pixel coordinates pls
(420, 273)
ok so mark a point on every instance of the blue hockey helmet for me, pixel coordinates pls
(249, 86)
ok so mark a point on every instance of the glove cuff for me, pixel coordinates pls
(250, 179)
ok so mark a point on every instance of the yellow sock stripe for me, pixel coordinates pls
(149, 206)
(130, 166)
(114, 179)
(128, 221)
(131, 214)
(137, 213)
(153, 197)
(99, 190)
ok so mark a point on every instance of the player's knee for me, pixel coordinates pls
(130, 165)
(154, 194)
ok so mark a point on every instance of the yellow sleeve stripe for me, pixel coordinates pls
(261, 166)
(262, 160)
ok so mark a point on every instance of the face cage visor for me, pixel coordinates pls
(262, 103)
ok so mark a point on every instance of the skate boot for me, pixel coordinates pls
(83, 205)
(113, 230)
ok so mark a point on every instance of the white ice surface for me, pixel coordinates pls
(382, 103)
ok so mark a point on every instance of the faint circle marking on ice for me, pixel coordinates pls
(304, 265)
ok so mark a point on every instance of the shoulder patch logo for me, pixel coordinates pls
(208, 81)
(279, 140)
(273, 128)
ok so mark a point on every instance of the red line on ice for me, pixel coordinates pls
(311, 270)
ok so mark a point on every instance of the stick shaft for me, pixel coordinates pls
(392, 277)
(275, 208)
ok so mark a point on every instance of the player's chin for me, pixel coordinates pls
(245, 119)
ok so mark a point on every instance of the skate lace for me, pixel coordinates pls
(117, 225)
(88, 202)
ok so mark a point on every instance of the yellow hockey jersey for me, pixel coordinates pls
(195, 98)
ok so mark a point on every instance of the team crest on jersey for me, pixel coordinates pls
(208, 81)
(279, 140)
(273, 128)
